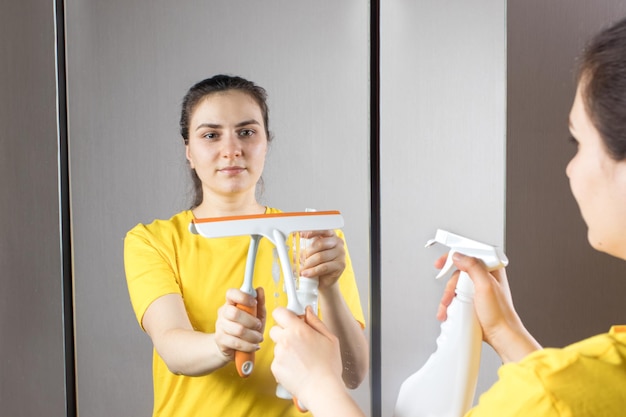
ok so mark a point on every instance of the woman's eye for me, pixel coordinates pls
(210, 135)
(246, 132)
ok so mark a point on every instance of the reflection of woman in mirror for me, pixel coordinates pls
(585, 379)
(184, 287)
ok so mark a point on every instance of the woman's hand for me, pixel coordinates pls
(324, 258)
(236, 329)
(306, 356)
(502, 327)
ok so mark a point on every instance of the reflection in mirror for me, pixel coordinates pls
(129, 64)
(442, 146)
(179, 269)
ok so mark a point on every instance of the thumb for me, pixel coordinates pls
(284, 317)
(312, 320)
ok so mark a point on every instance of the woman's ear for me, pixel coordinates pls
(188, 156)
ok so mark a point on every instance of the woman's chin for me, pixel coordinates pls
(602, 245)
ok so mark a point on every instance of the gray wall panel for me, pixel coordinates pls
(129, 64)
(32, 367)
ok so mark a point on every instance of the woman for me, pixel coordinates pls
(178, 281)
(585, 379)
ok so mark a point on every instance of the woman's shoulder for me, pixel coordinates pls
(587, 375)
(599, 347)
(177, 224)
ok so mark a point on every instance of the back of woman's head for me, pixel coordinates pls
(602, 76)
(219, 84)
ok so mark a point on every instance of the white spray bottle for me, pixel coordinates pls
(445, 385)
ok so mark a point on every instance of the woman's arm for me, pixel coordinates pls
(352, 341)
(186, 351)
(326, 259)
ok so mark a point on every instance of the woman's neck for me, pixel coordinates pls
(227, 207)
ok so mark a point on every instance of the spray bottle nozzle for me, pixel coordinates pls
(493, 257)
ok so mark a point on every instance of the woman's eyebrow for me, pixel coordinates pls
(247, 122)
(211, 125)
(219, 126)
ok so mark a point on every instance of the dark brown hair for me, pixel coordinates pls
(602, 76)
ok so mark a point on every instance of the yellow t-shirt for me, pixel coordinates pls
(164, 258)
(586, 379)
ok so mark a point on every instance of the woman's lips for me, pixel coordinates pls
(232, 170)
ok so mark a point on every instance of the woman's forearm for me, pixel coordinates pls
(513, 345)
(184, 350)
(354, 347)
(191, 353)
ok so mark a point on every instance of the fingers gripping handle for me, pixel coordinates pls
(281, 392)
(245, 360)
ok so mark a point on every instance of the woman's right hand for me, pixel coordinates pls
(502, 327)
(237, 330)
(307, 362)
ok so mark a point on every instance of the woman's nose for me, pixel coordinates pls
(231, 146)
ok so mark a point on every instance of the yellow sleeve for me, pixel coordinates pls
(149, 267)
(584, 379)
(518, 392)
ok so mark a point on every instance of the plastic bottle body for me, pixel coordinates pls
(446, 384)
(307, 292)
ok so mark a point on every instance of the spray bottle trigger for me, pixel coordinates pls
(448, 265)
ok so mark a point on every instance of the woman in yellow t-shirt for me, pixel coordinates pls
(585, 379)
(184, 288)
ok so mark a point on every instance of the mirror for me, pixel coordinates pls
(443, 84)
(129, 65)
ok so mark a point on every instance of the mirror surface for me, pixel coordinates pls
(129, 65)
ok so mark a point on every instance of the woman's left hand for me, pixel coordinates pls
(324, 258)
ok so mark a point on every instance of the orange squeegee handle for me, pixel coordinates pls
(245, 360)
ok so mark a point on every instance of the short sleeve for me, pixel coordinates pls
(586, 378)
(518, 392)
(149, 267)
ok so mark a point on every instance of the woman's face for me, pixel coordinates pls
(598, 184)
(227, 144)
